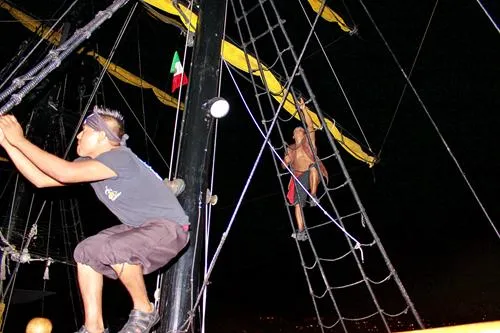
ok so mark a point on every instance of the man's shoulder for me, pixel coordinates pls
(122, 160)
(117, 153)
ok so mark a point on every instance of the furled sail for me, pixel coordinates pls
(329, 15)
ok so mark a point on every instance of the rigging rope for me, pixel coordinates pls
(137, 119)
(142, 91)
(409, 75)
(281, 135)
(344, 170)
(184, 57)
(53, 59)
(433, 123)
(44, 36)
(337, 79)
(488, 15)
(46, 274)
(68, 250)
(103, 71)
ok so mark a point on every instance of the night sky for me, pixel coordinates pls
(436, 235)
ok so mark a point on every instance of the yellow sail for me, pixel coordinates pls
(187, 17)
(32, 24)
(2, 309)
(329, 15)
(236, 57)
(127, 77)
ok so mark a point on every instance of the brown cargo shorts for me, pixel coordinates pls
(152, 245)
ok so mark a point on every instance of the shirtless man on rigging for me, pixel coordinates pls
(300, 158)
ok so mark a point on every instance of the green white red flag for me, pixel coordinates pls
(179, 78)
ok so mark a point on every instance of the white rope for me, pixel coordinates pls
(142, 90)
(101, 76)
(137, 119)
(184, 57)
(488, 15)
(337, 79)
(414, 63)
(433, 123)
(212, 181)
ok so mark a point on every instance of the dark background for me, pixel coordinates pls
(432, 228)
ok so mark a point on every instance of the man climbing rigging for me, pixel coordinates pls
(300, 158)
(153, 228)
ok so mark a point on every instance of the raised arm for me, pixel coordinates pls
(60, 170)
(25, 167)
(307, 119)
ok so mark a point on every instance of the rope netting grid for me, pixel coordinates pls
(252, 41)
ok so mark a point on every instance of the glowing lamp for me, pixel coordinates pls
(218, 107)
(39, 325)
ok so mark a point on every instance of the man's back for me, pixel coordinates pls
(137, 194)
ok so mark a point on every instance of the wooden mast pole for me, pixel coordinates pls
(181, 284)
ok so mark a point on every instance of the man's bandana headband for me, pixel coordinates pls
(97, 123)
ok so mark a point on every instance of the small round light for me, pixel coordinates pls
(219, 107)
(39, 325)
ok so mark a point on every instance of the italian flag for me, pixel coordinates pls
(179, 77)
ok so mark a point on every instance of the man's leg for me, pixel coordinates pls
(132, 278)
(313, 180)
(299, 218)
(90, 283)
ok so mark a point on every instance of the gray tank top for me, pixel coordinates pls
(137, 194)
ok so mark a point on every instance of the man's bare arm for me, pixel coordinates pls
(62, 170)
(307, 119)
(28, 169)
(55, 167)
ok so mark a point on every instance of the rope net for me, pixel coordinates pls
(349, 276)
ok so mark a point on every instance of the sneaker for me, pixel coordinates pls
(302, 236)
(313, 201)
(141, 322)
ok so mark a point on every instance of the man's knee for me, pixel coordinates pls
(113, 251)
(89, 251)
(81, 252)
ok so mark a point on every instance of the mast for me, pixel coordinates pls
(181, 285)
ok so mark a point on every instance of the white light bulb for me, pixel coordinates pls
(219, 108)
